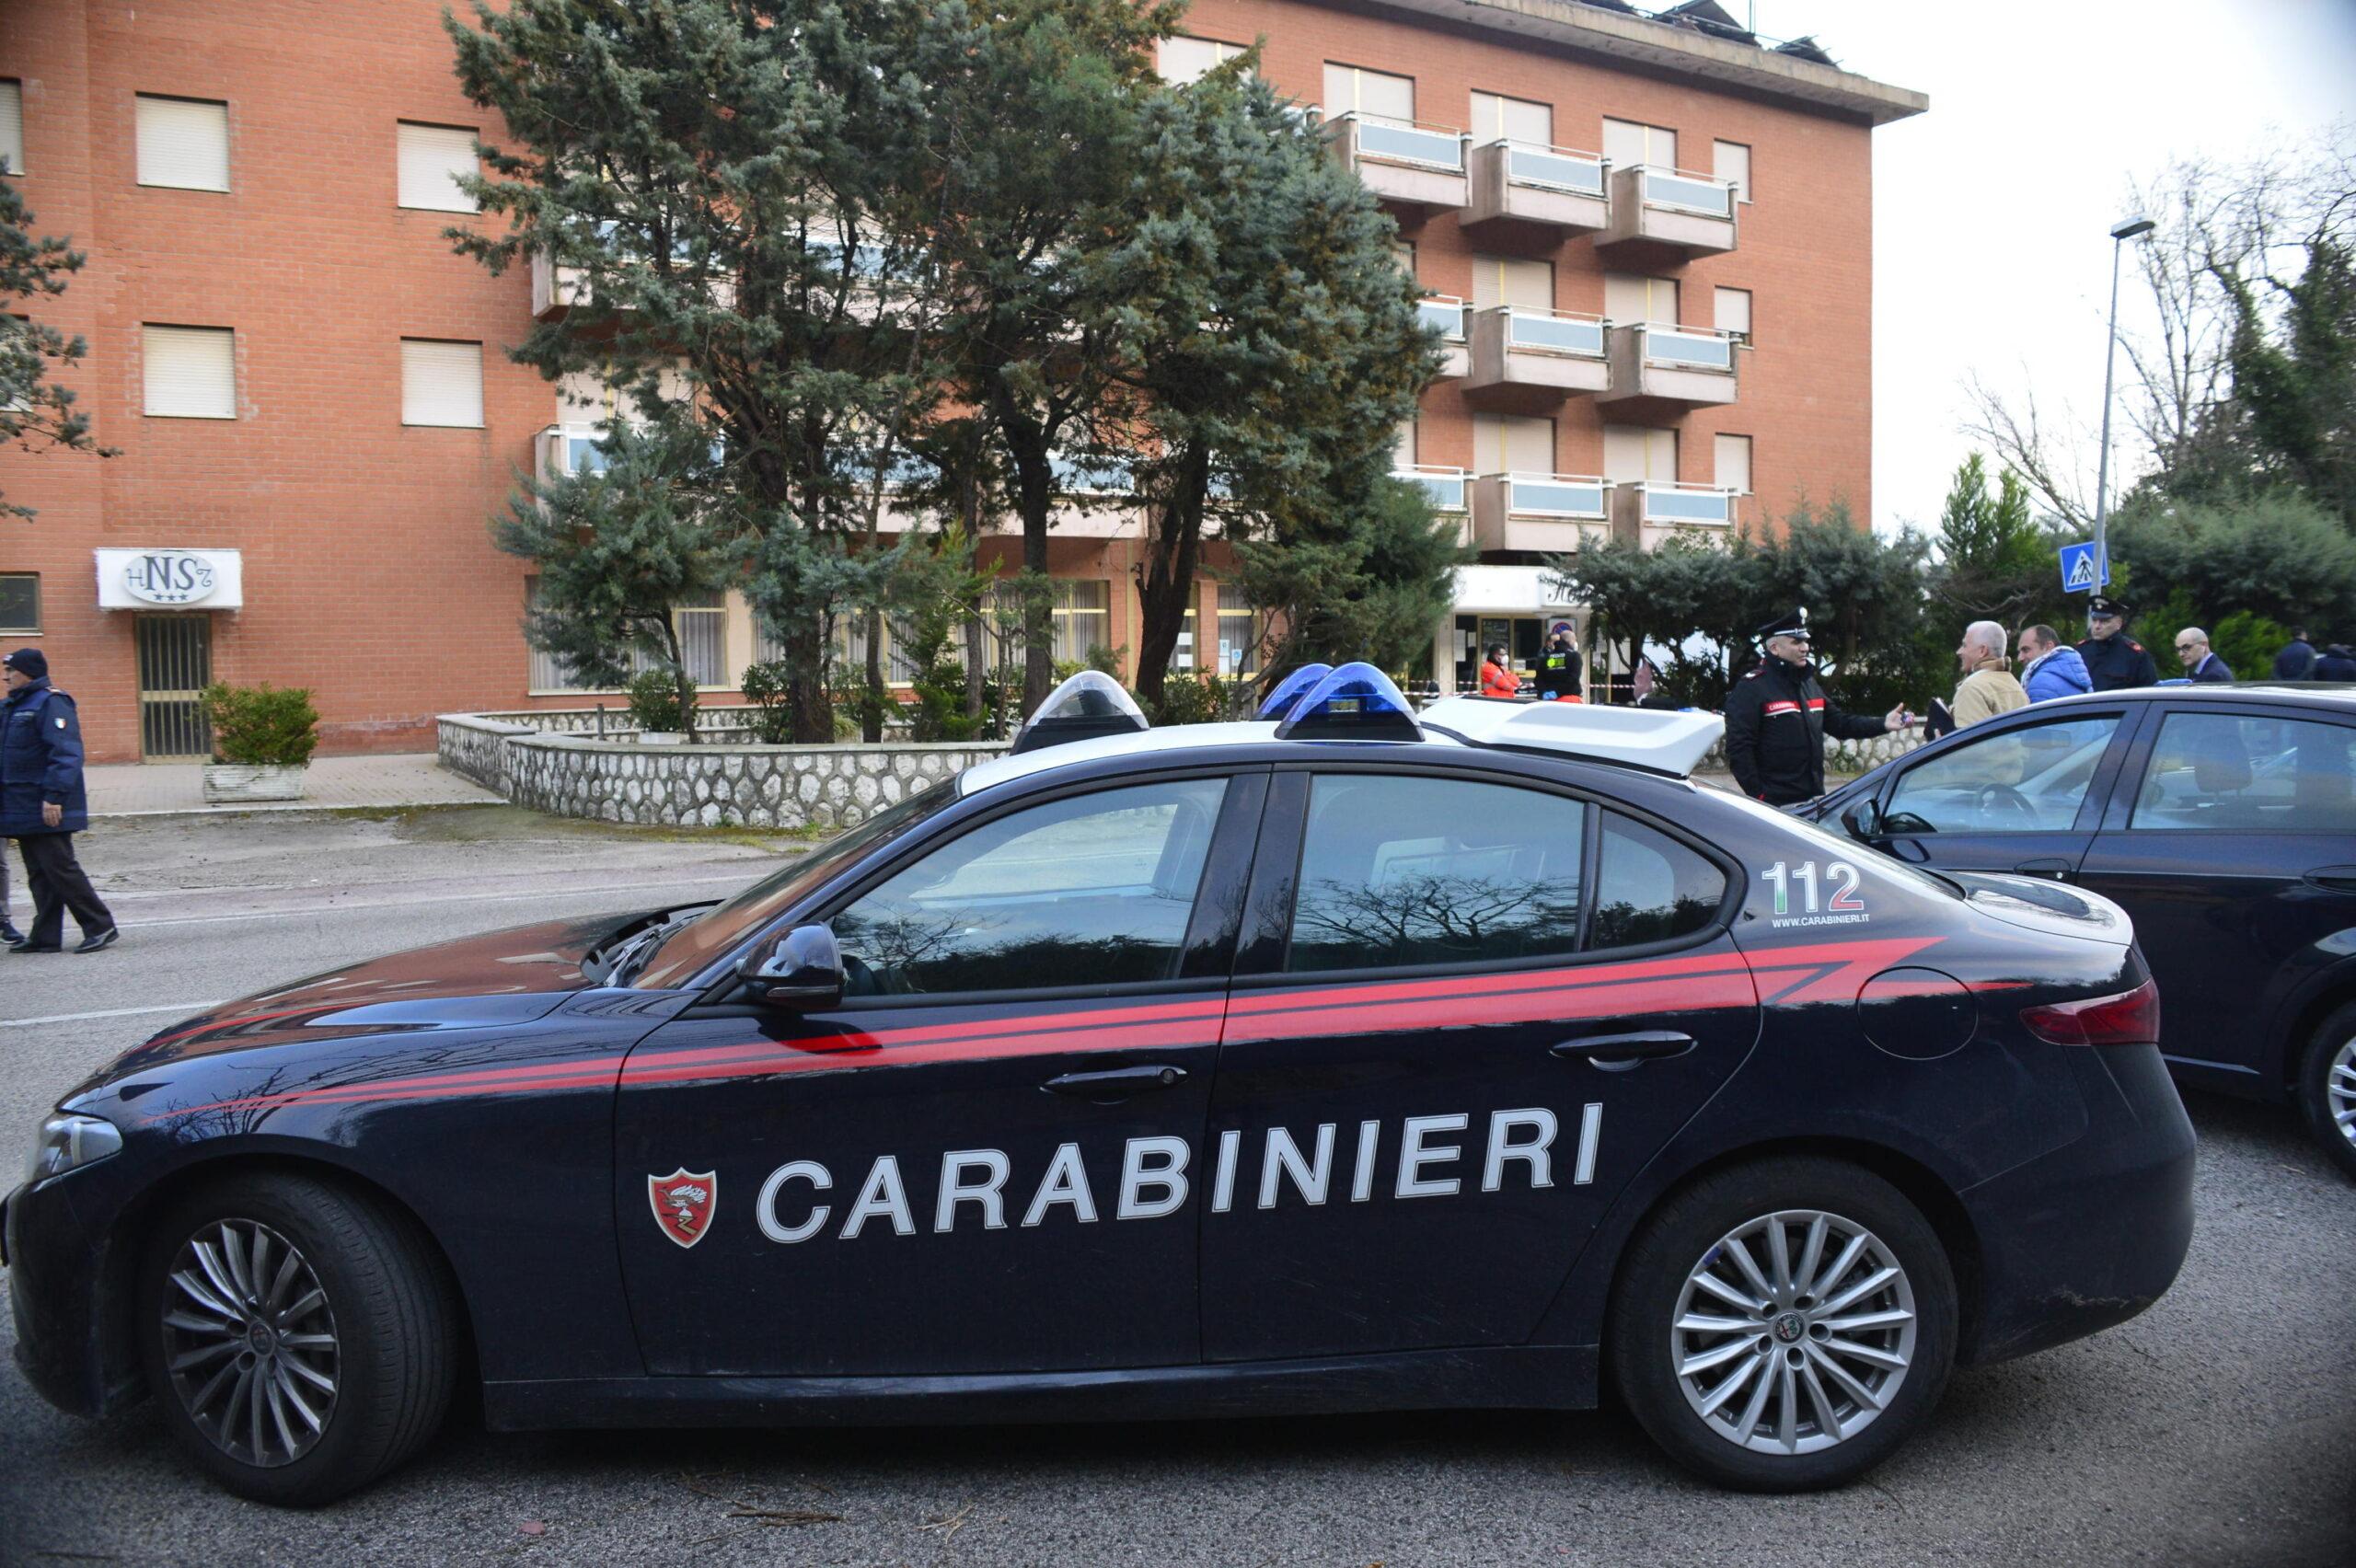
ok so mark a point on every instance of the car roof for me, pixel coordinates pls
(2334, 694)
(1144, 743)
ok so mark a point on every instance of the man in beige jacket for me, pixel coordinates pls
(1988, 688)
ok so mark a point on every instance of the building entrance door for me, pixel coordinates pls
(175, 665)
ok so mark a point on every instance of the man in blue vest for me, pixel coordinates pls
(42, 806)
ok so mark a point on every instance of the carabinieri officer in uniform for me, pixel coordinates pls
(2114, 659)
(1777, 716)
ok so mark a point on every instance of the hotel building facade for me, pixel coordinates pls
(1646, 238)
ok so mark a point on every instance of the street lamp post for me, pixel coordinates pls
(2127, 228)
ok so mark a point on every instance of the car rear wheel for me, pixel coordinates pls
(1783, 1325)
(2327, 1087)
(299, 1336)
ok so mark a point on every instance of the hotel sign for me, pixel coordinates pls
(195, 580)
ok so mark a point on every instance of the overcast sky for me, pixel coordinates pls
(1992, 212)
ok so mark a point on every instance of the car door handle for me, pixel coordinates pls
(1618, 1053)
(2056, 867)
(1121, 1083)
(2340, 879)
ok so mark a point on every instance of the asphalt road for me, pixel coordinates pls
(2219, 1428)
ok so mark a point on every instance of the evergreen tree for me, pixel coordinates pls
(1352, 579)
(34, 410)
(2295, 392)
(1994, 563)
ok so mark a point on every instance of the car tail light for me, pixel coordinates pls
(2130, 1018)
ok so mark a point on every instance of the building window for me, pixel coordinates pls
(441, 383)
(1631, 297)
(1356, 90)
(1498, 119)
(1627, 143)
(1734, 312)
(1083, 619)
(1239, 628)
(191, 372)
(1731, 163)
(1513, 443)
(431, 159)
(1505, 279)
(1733, 463)
(851, 650)
(12, 125)
(183, 143)
(21, 603)
(1638, 454)
(702, 620)
(1188, 60)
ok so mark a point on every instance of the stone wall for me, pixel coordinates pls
(1840, 756)
(828, 787)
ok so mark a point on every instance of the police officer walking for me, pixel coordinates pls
(1777, 716)
(1558, 668)
(42, 805)
(2114, 659)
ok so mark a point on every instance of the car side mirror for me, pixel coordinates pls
(1863, 821)
(800, 970)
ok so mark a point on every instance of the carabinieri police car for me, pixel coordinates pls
(1345, 1060)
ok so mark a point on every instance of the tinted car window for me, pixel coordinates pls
(2027, 779)
(1649, 887)
(2224, 772)
(1088, 889)
(1404, 870)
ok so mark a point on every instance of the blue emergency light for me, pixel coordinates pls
(1356, 702)
(1289, 689)
(1089, 704)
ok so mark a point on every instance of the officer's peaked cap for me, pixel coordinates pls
(2098, 606)
(1792, 623)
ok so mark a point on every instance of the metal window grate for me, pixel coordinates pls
(175, 665)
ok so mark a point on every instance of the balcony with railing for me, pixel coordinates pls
(1450, 490)
(1692, 214)
(1446, 313)
(1682, 367)
(1562, 192)
(1524, 354)
(1401, 161)
(1553, 512)
(1651, 513)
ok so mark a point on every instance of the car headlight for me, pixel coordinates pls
(68, 1142)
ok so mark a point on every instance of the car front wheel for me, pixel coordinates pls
(1783, 1325)
(2327, 1087)
(299, 1336)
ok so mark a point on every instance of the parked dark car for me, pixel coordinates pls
(2222, 818)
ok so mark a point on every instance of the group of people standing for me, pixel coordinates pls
(42, 805)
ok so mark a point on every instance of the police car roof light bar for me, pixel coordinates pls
(1637, 737)
(1289, 689)
(1089, 704)
(1356, 702)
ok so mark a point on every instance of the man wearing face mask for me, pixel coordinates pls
(1777, 716)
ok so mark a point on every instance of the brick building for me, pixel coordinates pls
(1648, 240)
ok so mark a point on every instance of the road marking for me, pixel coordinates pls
(619, 897)
(187, 1008)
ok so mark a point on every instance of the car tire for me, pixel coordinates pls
(326, 1305)
(2327, 1087)
(1790, 1423)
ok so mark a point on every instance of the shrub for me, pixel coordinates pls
(1198, 699)
(654, 701)
(766, 687)
(262, 726)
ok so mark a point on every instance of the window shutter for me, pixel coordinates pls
(191, 372)
(1734, 311)
(1515, 119)
(183, 143)
(441, 383)
(1377, 93)
(1624, 143)
(1733, 163)
(1504, 280)
(1733, 463)
(12, 124)
(1185, 60)
(432, 157)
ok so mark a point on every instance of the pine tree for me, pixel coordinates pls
(35, 411)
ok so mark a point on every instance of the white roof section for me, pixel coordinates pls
(1645, 737)
(1003, 769)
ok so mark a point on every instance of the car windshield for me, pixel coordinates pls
(697, 943)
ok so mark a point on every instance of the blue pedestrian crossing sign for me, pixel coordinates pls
(2078, 570)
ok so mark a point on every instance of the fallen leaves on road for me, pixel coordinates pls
(740, 1508)
(949, 1523)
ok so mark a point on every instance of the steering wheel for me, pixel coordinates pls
(2003, 800)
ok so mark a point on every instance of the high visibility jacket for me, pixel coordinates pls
(1498, 681)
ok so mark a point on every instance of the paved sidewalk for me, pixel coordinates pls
(409, 779)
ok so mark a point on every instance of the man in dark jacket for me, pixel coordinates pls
(1558, 669)
(42, 806)
(2114, 659)
(2335, 663)
(2297, 659)
(1777, 716)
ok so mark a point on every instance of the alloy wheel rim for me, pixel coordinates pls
(2339, 1090)
(249, 1343)
(1794, 1332)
